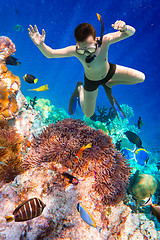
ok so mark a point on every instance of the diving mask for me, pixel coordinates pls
(89, 50)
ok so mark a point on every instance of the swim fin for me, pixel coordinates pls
(74, 99)
(116, 107)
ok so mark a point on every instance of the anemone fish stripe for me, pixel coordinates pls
(77, 157)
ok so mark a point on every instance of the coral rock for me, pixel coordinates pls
(60, 218)
(9, 84)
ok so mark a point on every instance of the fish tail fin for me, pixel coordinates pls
(99, 229)
(89, 145)
(9, 218)
(35, 80)
(31, 89)
(148, 202)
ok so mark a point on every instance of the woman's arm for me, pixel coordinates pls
(57, 53)
(125, 31)
(38, 40)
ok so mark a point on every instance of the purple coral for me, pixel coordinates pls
(60, 143)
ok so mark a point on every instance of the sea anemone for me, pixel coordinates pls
(10, 152)
(61, 142)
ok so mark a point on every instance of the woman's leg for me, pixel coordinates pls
(125, 75)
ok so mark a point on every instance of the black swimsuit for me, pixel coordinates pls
(90, 85)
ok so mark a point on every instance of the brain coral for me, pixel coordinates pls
(61, 142)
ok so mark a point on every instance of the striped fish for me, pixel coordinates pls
(27, 210)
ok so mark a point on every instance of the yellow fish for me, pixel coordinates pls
(40, 89)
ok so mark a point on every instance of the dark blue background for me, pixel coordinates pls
(59, 18)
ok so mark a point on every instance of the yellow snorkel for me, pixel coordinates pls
(102, 28)
(89, 59)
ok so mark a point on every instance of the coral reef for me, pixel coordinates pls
(9, 83)
(112, 125)
(48, 112)
(104, 114)
(60, 143)
(10, 152)
(60, 218)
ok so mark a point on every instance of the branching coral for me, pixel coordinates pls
(9, 83)
(104, 114)
(10, 153)
(61, 142)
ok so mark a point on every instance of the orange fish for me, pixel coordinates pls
(79, 154)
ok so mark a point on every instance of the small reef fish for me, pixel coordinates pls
(10, 60)
(155, 208)
(140, 155)
(27, 210)
(33, 101)
(2, 147)
(30, 78)
(132, 137)
(87, 217)
(40, 89)
(18, 28)
(79, 154)
(139, 124)
(71, 178)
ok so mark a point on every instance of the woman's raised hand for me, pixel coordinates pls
(35, 36)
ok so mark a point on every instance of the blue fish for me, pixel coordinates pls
(87, 217)
(140, 155)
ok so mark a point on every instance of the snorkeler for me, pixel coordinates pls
(92, 52)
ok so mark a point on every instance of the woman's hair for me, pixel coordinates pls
(83, 30)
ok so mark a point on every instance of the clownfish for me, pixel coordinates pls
(87, 217)
(27, 210)
(79, 154)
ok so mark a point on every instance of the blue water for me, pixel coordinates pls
(59, 18)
